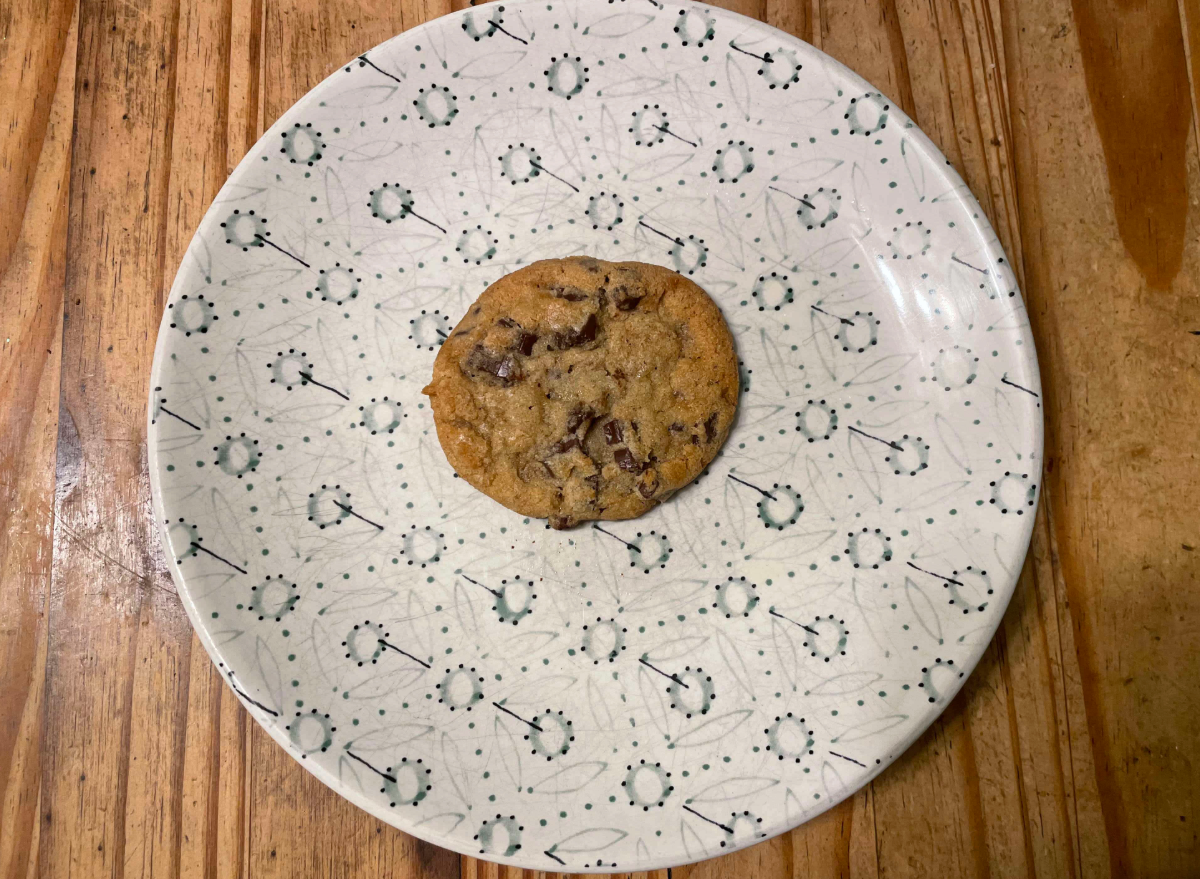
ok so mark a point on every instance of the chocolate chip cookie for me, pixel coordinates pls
(577, 389)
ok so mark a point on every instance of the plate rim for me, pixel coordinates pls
(981, 230)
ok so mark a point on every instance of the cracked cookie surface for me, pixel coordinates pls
(577, 389)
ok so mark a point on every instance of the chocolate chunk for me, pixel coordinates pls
(577, 417)
(695, 440)
(647, 487)
(675, 427)
(500, 366)
(506, 370)
(574, 338)
(571, 294)
(525, 343)
(623, 299)
(507, 322)
(594, 482)
(626, 461)
(613, 433)
(578, 421)
(560, 523)
(588, 332)
(565, 445)
(710, 428)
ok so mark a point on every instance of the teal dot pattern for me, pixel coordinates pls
(636, 694)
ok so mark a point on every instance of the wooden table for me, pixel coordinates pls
(1072, 750)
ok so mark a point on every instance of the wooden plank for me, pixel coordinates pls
(33, 39)
(175, 739)
(111, 603)
(32, 251)
(793, 16)
(1112, 293)
(1189, 15)
(1038, 697)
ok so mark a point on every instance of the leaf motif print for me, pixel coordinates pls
(892, 412)
(571, 778)
(610, 138)
(844, 684)
(739, 86)
(788, 650)
(443, 822)
(654, 700)
(915, 167)
(367, 96)
(338, 201)
(490, 65)
(952, 441)
(372, 150)
(566, 138)
(735, 663)
(693, 845)
(653, 168)
(333, 357)
(676, 648)
(883, 368)
(226, 520)
(592, 840)
(269, 675)
(776, 224)
(464, 610)
(828, 256)
(923, 609)
(507, 743)
(811, 171)
(620, 25)
(870, 728)
(598, 704)
(246, 376)
(860, 203)
(733, 789)
(454, 768)
(831, 780)
(540, 691)
(935, 494)
(863, 458)
(734, 245)
(636, 86)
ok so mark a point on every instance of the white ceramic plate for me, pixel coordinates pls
(645, 693)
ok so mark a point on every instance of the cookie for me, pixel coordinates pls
(576, 389)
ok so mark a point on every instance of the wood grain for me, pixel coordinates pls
(32, 261)
(1068, 754)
